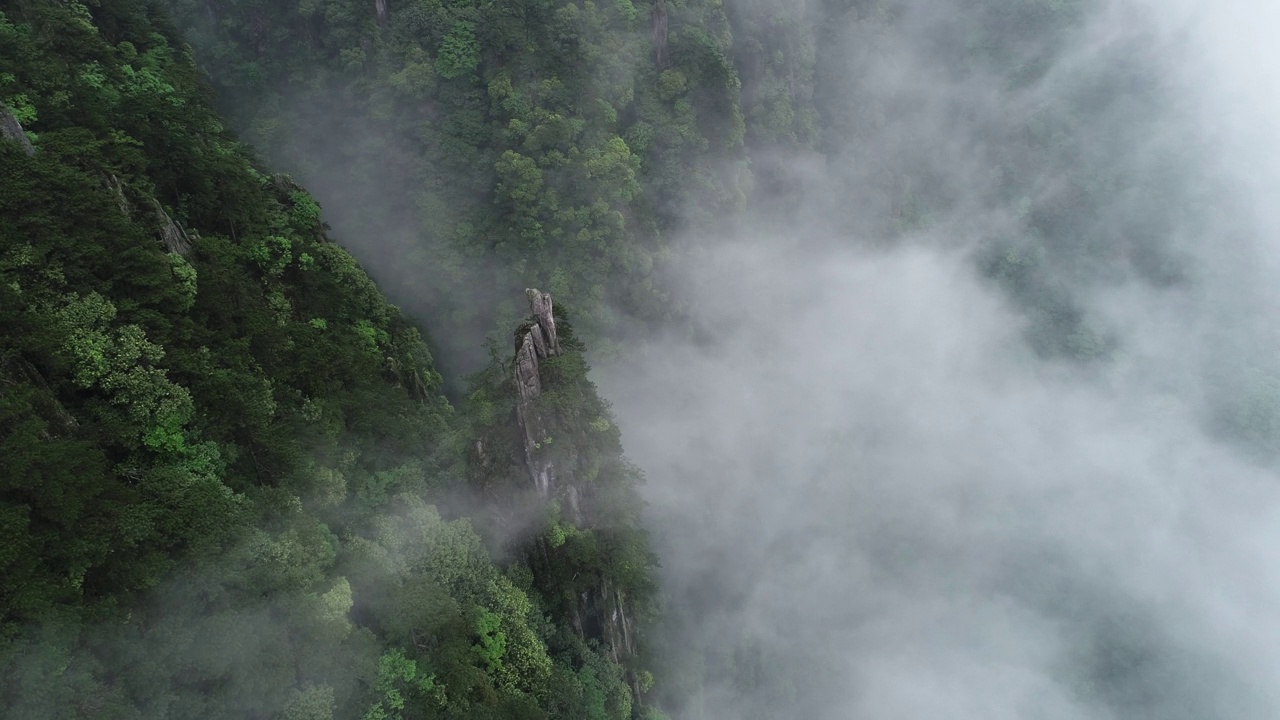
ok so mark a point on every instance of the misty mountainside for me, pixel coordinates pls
(466, 150)
(944, 332)
(230, 486)
(944, 329)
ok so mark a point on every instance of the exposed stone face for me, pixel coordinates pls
(175, 238)
(661, 25)
(529, 384)
(602, 612)
(113, 184)
(541, 307)
(11, 129)
(536, 342)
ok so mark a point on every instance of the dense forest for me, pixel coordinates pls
(232, 487)
(299, 301)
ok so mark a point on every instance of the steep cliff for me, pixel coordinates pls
(587, 554)
(219, 444)
(536, 341)
(548, 463)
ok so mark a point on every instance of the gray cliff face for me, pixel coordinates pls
(11, 129)
(536, 342)
(601, 612)
(661, 27)
(540, 305)
(117, 188)
(174, 237)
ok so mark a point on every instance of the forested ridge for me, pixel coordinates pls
(496, 145)
(268, 445)
(231, 486)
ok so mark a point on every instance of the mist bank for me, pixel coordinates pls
(986, 427)
(909, 512)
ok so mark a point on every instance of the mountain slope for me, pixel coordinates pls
(466, 146)
(230, 485)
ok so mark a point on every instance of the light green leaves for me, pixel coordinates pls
(85, 322)
(305, 211)
(119, 362)
(493, 642)
(398, 679)
(185, 276)
(459, 52)
(272, 253)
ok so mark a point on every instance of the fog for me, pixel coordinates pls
(873, 476)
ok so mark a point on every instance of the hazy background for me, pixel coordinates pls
(1013, 457)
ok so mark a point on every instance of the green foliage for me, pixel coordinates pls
(459, 51)
(306, 211)
(186, 277)
(312, 703)
(592, 565)
(493, 642)
(185, 439)
(398, 677)
(557, 144)
(21, 108)
(227, 453)
(234, 464)
(272, 253)
(373, 336)
(450, 596)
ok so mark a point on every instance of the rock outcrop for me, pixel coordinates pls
(174, 237)
(603, 612)
(11, 129)
(535, 342)
(117, 188)
(661, 29)
(176, 240)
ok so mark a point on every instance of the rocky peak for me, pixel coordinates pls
(601, 611)
(536, 341)
(544, 329)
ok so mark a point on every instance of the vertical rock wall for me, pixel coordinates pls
(601, 612)
(535, 342)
